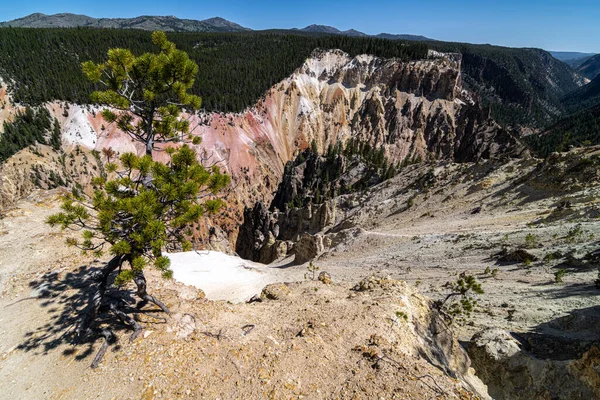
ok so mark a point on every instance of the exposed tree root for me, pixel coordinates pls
(97, 302)
(109, 337)
(127, 320)
(140, 281)
(84, 329)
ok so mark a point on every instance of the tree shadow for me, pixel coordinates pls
(66, 299)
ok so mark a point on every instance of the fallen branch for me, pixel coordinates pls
(217, 336)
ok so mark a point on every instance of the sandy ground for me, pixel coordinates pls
(426, 245)
(440, 237)
(314, 342)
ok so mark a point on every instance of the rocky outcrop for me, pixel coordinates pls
(510, 372)
(415, 109)
(307, 248)
(267, 236)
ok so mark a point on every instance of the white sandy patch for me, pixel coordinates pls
(221, 276)
(77, 129)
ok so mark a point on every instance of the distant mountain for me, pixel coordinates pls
(569, 55)
(573, 58)
(322, 29)
(171, 24)
(590, 68)
(150, 23)
(352, 32)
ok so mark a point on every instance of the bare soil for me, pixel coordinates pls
(305, 344)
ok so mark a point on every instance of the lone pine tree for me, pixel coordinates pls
(139, 206)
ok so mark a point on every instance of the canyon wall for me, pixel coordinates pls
(410, 109)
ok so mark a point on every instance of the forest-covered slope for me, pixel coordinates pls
(590, 68)
(236, 69)
(579, 129)
(521, 86)
(585, 97)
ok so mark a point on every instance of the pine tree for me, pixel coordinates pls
(140, 207)
(148, 91)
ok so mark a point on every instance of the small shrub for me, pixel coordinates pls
(402, 315)
(559, 275)
(574, 234)
(312, 271)
(530, 240)
(463, 288)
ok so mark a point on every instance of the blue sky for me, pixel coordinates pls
(569, 25)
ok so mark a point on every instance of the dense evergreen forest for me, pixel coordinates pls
(522, 86)
(579, 129)
(584, 97)
(236, 69)
(29, 127)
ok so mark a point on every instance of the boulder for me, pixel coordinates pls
(275, 291)
(308, 247)
(510, 372)
(515, 256)
(325, 278)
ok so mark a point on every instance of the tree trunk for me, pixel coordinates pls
(150, 134)
(96, 299)
(140, 281)
(149, 146)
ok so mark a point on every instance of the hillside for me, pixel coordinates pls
(171, 24)
(574, 59)
(144, 22)
(236, 69)
(349, 336)
(582, 128)
(521, 86)
(582, 98)
(590, 68)
(353, 32)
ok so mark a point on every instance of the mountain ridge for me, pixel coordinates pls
(572, 58)
(172, 23)
(144, 22)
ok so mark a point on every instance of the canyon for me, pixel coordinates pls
(467, 193)
(409, 109)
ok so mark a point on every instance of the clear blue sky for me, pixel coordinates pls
(569, 25)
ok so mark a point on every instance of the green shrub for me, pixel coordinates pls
(559, 275)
